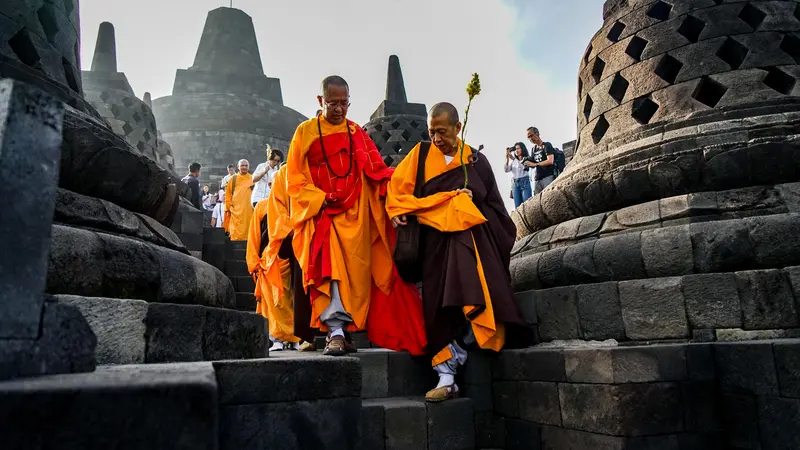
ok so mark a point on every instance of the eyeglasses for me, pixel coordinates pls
(344, 104)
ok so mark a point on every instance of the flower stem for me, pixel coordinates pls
(463, 143)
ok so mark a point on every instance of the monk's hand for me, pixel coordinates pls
(465, 191)
(399, 221)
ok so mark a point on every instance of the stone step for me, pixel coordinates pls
(244, 284)
(237, 245)
(136, 332)
(236, 268)
(236, 254)
(412, 424)
(245, 301)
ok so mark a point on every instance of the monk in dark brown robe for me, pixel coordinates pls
(466, 238)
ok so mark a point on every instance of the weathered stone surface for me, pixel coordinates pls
(712, 300)
(739, 416)
(645, 364)
(30, 136)
(538, 402)
(174, 333)
(533, 364)
(490, 430)
(409, 376)
(320, 424)
(232, 334)
(778, 424)
(118, 325)
(554, 438)
(620, 257)
(721, 246)
(405, 423)
(578, 263)
(667, 251)
(776, 240)
(288, 379)
(747, 367)
(600, 311)
(112, 409)
(375, 366)
(506, 398)
(521, 435)
(372, 427)
(451, 425)
(629, 410)
(653, 309)
(557, 311)
(767, 300)
(551, 268)
(589, 365)
(787, 362)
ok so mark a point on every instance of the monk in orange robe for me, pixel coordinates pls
(467, 236)
(237, 202)
(268, 228)
(342, 237)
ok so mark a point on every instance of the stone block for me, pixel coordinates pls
(746, 367)
(767, 300)
(538, 402)
(589, 365)
(525, 272)
(667, 251)
(527, 304)
(521, 435)
(405, 423)
(619, 257)
(712, 300)
(451, 425)
(490, 430)
(721, 246)
(739, 415)
(372, 428)
(646, 364)
(787, 362)
(478, 369)
(551, 268)
(700, 362)
(778, 418)
(776, 240)
(409, 376)
(320, 424)
(30, 140)
(174, 333)
(557, 311)
(506, 398)
(554, 438)
(232, 334)
(276, 380)
(117, 324)
(480, 394)
(125, 407)
(374, 373)
(131, 269)
(653, 309)
(578, 263)
(600, 312)
(700, 405)
(622, 410)
(531, 364)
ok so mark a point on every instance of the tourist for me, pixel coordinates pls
(194, 185)
(237, 202)
(263, 175)
(226, 178)
(336, 182)
(467, 235)
(515, 165)
(270, 225)
(218, 215)
(542, 159)
(209, 199)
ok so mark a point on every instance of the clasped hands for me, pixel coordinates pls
(402, 220)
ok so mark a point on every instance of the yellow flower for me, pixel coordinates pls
(474, 86)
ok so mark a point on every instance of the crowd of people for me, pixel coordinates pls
(338, 242)
(530, 173)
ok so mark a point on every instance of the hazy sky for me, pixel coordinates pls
(526, 51)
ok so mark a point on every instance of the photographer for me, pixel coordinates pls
(515, 164)
(542, 159)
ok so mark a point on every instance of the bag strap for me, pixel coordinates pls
(422, 156)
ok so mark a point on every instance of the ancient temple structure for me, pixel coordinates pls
(397, 126)
(675, 232)
(111, 95)
(223, 108)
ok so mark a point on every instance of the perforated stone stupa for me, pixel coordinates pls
(110, 93)
(224, 108)
(397, 126)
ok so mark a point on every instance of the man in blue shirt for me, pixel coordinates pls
(542, 159)
(194, 185)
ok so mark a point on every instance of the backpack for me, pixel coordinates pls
(559, 162)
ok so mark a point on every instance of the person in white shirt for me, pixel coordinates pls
(521, 183)
(218, 216)
(264, 174)
(226, 178)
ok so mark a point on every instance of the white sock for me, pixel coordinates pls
(337, 332)
(445, 380)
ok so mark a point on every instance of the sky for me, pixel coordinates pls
(526, 52)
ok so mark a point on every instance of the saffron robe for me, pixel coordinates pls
(465, 247)
(350, 239)
(237, 202)
(272, 275)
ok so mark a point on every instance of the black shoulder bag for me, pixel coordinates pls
(407, 248)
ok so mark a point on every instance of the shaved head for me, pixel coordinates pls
(444, 108)
(333, 80)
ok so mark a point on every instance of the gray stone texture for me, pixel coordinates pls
(30, 130)
(96, 264)
(451, 425)
(767, 300)
(747, 368)
(600, 311)
(557, 312)
(712, 300)
(405, 423)
(653, 309)
(375, 366)
(131, 407)
(787, 362)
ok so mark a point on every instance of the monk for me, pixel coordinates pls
(269, 227)
(467, 236)
(237, 202)
(342, 237)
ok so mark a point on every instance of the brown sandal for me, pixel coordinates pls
(441, 394)
(335, 346)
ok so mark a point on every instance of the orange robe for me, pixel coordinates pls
(446, 212)
(273, 275)
(237, 202)
(350, 239)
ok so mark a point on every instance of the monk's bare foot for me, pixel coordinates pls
(335, 346)
(441, 394)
